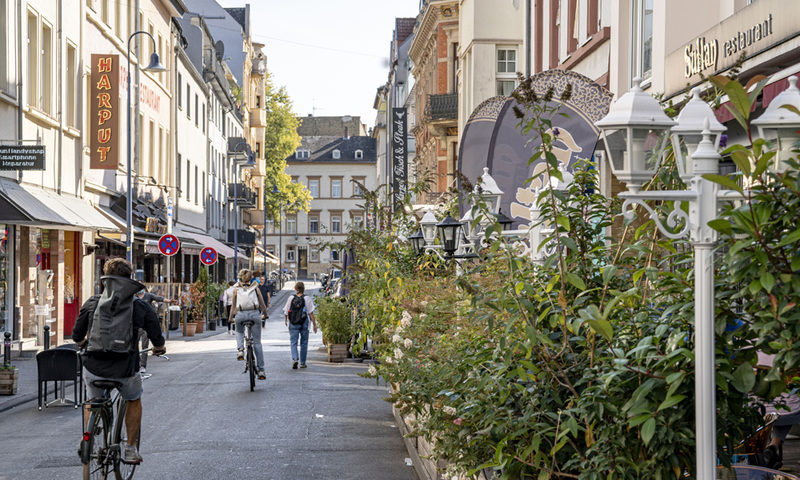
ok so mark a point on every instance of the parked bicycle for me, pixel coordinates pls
(100, 447)
(249, 353)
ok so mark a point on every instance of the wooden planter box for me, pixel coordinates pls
(8, 381)
(337, 352)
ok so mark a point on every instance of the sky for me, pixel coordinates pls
(331, 55)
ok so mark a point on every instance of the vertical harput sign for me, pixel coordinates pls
(104, 114)
(399, 157)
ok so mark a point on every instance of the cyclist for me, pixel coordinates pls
(120, 367)
(245, 306)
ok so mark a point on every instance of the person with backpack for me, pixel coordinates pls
(247, 303)
(227, 299)
(298, 310)
(107, 327)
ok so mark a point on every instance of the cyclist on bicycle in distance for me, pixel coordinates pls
(245, 306)
(122, 367)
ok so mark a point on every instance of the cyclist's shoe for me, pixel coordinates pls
(294, 365)
(262, 375)
(130, 455)
(240, 354)
(303, 365)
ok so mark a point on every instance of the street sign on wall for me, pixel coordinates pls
(22, 157)
(399, 157)
(208, 256)
(104, 112)
(169, 245)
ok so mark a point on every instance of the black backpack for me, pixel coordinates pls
(297, 310)
(111, 328)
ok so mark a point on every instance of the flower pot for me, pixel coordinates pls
(200, 327)
(337, 352)
(8, 381)
(190, 329)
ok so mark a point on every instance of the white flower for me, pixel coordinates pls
(372, 370)
(397, 338)
(407, 343)
(423, 316)
(449, 410)
(423, 303)
(398, 330)
(398, 354)
(405, 321)
(389, 360)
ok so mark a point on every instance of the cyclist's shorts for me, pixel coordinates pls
(131, 388)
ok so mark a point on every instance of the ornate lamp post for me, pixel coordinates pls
(155, 66)
(781, 125)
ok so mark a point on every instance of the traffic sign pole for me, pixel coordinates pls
(169, 267)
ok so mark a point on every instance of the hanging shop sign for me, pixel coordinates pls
(208, 256)
(104, 112)
(169, 245)
(22, 157)
(399, 156)
(749, 32)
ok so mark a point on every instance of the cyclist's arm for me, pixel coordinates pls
(150, 322)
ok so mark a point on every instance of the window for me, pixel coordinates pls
(313, 187)
(104, 11)
(313, 254)
(4, 39)
(642, 26)
(72, 78)
(506, 68)
(359, 154)
(188, 180)
(180, 91)
(303, 154)
(178, 173)
(118, 18)
(313, 223)
(196, 186)
(336, 188)
(357, 183)
(188, 101)
(290, 253)
(358, 221)
(258, 149)
(337, 154)
(33, 56)
(204, 117)
(291, 224)
(271, 249)
(151, 154)
(196, 110)
(334, 255)
(336, 223)
(258, 101)
(47, 70)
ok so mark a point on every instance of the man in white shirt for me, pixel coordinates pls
(227, 299)
(298, 310)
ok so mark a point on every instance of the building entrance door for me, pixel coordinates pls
(302, 263)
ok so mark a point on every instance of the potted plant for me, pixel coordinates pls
(197, 309)
(334, 318)
(9, 378)
(213, 291)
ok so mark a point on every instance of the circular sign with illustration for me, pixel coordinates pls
(169, 244)
(208, 256)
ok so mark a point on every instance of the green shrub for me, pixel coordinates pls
(334, 319)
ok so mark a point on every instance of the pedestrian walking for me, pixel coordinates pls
(298, 311)
(264, 289)
(227, 299)
(248, 305)
(148, 298)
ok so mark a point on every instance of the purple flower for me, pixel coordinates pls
(723, 141)
(556, 132)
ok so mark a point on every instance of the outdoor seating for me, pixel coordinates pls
(59, 365)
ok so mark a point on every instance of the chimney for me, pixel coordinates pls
(345, 132)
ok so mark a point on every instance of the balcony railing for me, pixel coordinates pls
(242, 195)
(258, 117)
(244, 237)
(441, 107)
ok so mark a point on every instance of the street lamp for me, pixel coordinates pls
(781, 125)
(417, 241)
(691, 121)
(154, 66)
(448, 231)
(634, 158)
(247, 162)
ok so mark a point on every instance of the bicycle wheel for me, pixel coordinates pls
(251, 366)
(123, 471)
(94, 450)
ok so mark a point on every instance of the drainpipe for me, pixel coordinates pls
(19, 80)
(138, 48)
(60, 92)
(528, 38)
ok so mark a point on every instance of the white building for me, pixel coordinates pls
(334, 169)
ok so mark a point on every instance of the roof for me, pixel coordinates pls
(238, 14)
(322, 147)
(404, 27)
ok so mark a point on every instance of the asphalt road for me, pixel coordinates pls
(202, 422)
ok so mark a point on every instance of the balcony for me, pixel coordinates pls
(259, 67)
(254, 217)
(246, 196)
(258, 117)
(244, 237)
(441, 107)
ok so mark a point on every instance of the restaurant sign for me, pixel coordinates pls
(104, 112)
(748, 32)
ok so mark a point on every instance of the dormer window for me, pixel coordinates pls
(337, 154)
(359, 154)
(303, 154)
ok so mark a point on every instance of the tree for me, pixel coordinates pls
(280, 141)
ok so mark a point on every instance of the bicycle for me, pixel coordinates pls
(250, 354)
(99, 450)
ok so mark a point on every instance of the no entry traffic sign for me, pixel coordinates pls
(169, 245)
(208, 256)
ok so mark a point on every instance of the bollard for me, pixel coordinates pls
(7, 350)
(47, 337)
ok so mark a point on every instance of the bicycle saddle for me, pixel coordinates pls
(106, 384)
(249, 322)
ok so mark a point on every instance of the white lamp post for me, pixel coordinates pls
(428, 225)
(639, 116)
(691, 121)
(781, 124)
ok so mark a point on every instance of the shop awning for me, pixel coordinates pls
(212, 242)
(260, 254)
(30, 205)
